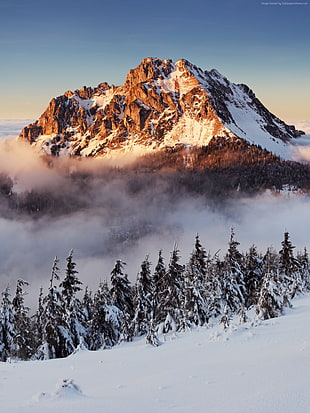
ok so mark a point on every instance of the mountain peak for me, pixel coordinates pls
(150, 68)
(161, 104)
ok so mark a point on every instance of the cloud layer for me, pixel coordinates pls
(114, 215)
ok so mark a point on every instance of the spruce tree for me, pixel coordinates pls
(253, 276)
(7, 326)
(57, 340)
(304, 269)
(74, 312)
(159, 288)
(23, 340)
(171, 295)
(195, 308)
(39, 321)
(106, 322)
(233, 286)
(213, 292)
(289, 267)
(122, 298)
(71, 284)
(143, 299)
(87, 305)
(270, 300)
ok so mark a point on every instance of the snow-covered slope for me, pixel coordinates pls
(162, 103)
(246, 369)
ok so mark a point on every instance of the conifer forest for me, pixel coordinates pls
(166, 298)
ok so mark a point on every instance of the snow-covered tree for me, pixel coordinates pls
(57, 340)
(213, 291)
(143, 299)
(151, 337)
(159, 287)
(304, 269)
(122, 298)
(233, 285)
(23, 340)
(71, 284)
(270, 300)
(195, 308)
(7, 328)
(253, 276)
(121, 290)
(225, 319)
(289, 267)
(105, 325)
(242, 315)
(74, 312)
(39, 321)
(87, 305)
(171, 295)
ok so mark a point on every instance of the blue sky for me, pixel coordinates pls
(48, 47)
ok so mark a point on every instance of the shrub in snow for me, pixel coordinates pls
(67, 388)
(151, 337)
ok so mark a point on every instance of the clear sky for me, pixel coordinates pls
(48, 47)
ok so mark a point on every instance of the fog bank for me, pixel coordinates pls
(104, 214)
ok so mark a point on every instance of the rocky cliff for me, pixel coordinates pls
(161, 104)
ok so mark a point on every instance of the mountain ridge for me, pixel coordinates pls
(161, 104)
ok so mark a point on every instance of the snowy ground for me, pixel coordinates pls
(244, 370)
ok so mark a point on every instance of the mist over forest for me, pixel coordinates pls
(106, 210)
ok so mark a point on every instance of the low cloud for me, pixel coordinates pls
(300, 151)
(10, 128)
(303, 125)
(110, 214)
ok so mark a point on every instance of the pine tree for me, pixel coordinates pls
(289, 267)
(233, 285)
(143, 299)
(159, 287)
(56, 336)
(304, 269)
(87, 305)
(270, 300)
(7, 326)
(106, 322)
(23, 340)
(171, 295)
(214, 294)
(195, 308)
(122, 298)
(71, 284)
(39, 322)
(74, 312)
(253, 276)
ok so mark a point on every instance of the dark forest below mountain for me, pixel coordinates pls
(223, 169)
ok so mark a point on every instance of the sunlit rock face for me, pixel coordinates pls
(161, 104)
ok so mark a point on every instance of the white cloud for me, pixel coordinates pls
(10, 128)
(129, 217)
(303, 125)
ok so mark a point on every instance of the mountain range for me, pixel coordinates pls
(162, 104)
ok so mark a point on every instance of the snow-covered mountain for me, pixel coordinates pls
(161, 104)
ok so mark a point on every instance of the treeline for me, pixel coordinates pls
(224, 168)
(171, 298)
(227, 165)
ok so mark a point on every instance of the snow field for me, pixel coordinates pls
(245, 369)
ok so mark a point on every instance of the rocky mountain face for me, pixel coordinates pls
(161, 104)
